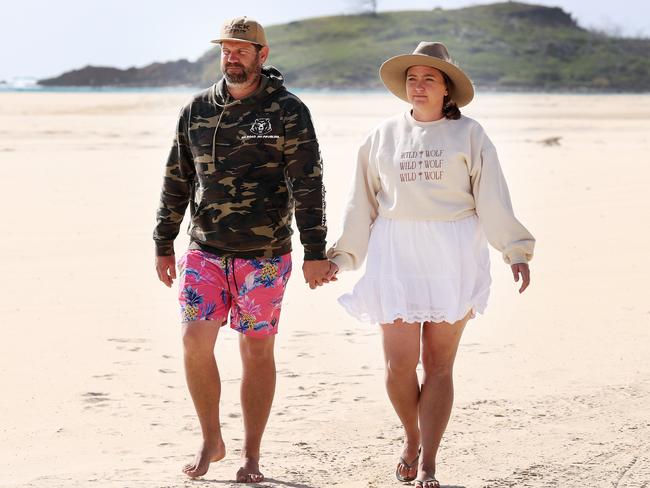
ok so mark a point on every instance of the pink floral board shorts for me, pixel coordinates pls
(251, 290)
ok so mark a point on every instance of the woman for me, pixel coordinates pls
(428, 190)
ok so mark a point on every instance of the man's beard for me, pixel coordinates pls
(244, 76)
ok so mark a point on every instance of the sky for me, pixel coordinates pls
(41, 38)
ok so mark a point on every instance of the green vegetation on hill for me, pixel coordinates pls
(501, 46)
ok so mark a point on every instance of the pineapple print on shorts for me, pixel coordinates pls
(265, 273)
(250, 289)
(248, 317)
(193, 306)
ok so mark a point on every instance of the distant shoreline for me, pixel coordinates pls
(320, 91)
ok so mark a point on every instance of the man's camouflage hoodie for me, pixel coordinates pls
(243, 165)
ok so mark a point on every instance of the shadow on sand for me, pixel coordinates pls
(272, 482)
(267, 483)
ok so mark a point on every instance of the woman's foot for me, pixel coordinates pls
(408, 470)
(208, 453)
(249, 471)
(427, 483)
(426, 477)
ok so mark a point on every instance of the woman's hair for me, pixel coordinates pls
(449, 108)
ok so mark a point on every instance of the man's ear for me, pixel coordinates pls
(264, 54)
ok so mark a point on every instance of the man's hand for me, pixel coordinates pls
(316, 272)
(166, 269)
(523, 270)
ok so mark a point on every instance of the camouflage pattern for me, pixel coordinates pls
(243, 165)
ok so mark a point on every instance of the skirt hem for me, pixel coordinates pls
(409, 317)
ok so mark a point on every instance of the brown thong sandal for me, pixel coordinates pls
(422, 483)
(409, 466)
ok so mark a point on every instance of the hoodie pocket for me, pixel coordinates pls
(280, 219)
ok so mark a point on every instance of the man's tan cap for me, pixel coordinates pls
(242, 29)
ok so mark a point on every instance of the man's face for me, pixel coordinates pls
(241, 62)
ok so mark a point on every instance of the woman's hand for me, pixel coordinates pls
(319, 272)
(523, 270)
(331, 273)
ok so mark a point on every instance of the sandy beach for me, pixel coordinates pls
(552, 387)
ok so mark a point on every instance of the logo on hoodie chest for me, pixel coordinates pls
(260, 129)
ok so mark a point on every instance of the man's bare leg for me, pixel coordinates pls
(257, 390)
(204, 383)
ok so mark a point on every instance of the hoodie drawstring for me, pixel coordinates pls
(216, 129)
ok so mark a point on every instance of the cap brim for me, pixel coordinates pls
(393, 74)
(219, 41)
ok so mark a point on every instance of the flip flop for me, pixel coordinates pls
(409, 466)
(421, 483)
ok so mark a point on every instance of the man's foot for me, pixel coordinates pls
(406, 471)
(249, 472)
(206, 455)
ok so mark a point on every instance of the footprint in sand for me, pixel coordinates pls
(94, 398)
(290, 374)
(128, 340)
(302, 333)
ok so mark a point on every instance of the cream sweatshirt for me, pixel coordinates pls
(441, 170)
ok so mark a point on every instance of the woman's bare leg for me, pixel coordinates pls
(402, 352)
(439, 346)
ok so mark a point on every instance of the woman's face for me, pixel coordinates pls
(425, 86)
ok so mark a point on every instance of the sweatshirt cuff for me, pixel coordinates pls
(315, 254)
(517, 257)
(164, 248)
(343, 260)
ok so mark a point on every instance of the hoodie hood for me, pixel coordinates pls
(271, 80)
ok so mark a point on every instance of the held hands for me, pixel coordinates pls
(166, 269)
(316, 273)
(319, 272)
(523, 270)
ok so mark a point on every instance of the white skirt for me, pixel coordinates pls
(422, 271)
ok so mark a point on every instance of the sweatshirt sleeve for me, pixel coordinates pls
(176, 191)
(494, 208)
(351, 248)
(305, 175)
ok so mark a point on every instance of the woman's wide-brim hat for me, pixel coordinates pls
(393, 71)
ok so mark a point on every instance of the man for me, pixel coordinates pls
(245, 153)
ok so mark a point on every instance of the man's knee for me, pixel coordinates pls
(199, 336)
(257, 350)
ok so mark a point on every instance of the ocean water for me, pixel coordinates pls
(7, 88)
(30, 85)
